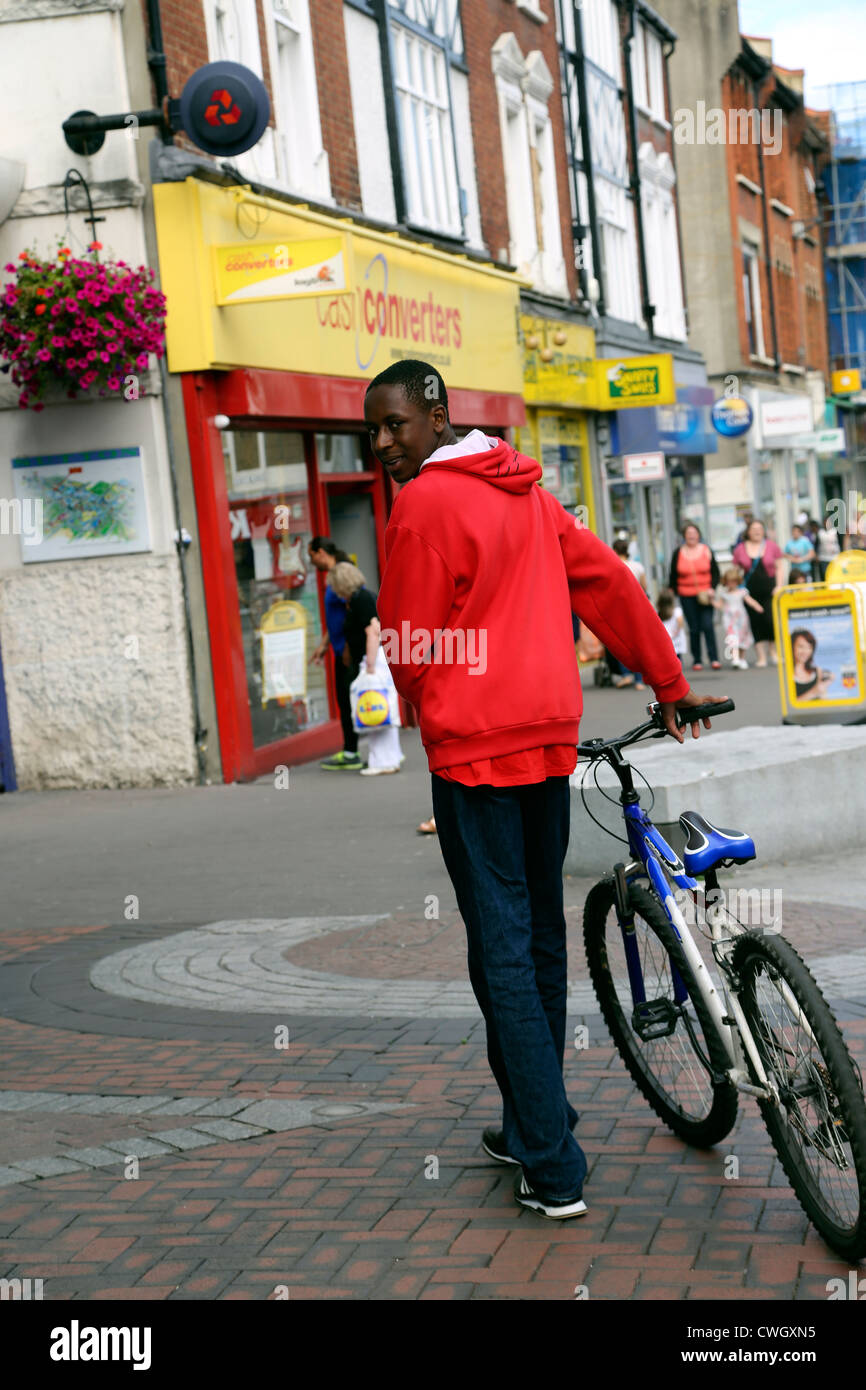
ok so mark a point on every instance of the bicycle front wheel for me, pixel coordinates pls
(818, 1128)
(669, 1044)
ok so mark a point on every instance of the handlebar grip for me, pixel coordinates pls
(684, 718)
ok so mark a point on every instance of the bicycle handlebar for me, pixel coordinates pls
(686, 717)
(654, 727)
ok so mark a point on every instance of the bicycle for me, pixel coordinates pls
(692, 1044)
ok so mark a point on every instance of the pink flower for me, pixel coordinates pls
(104, 357)
(71, 363)
(113, 383)
(141, 360)
(43, 355)
(92, 355)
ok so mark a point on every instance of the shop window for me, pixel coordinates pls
(340, 453)
(278, 594)
(562, 443)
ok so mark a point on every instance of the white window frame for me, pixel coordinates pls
(752, 249)
(658, 179)
(232, 31)
(426, 122)
(524, 88)
(302, 159)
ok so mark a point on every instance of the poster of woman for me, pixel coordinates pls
(823, 659)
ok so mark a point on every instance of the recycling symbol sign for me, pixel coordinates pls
(224, 108)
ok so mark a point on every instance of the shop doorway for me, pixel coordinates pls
(352, 527)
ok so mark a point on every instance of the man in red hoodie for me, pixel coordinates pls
(483, 569)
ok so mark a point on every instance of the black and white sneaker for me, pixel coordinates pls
(557, 1211)
(493, 1143)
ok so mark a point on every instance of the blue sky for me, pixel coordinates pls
(829, 40)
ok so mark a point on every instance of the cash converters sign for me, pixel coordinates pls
(381, 311)
(627, 382)
(260, 270)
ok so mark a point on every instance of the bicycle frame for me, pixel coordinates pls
(655, 859)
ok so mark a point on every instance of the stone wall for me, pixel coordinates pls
(97, 678)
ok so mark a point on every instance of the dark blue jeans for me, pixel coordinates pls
(504, 849)
(700, 618)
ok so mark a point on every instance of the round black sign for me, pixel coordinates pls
(224, 108)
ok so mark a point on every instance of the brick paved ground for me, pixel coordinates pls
(399, 1205)
(347, 1164)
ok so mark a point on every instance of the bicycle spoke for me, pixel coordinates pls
(673, 1059)
(792, 1054)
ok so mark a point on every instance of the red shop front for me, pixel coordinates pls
(292, 463)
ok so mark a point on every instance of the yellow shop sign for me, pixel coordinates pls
(259, 270)
(625, 382)
(558, 362)
(388, 298)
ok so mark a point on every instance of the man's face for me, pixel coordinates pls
(319, 558)
(402, 435)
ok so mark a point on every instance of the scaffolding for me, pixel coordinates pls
(844, 179)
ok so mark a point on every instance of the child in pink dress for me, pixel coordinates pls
(732, 600)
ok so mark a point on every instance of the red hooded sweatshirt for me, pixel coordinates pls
(482, 569)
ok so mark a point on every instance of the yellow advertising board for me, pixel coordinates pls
(622, 383)
(849, 566)
(558, 363)
(398, 298)
(280, 270)
(821, 647)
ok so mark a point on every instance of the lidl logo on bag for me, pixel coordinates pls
(372, 708)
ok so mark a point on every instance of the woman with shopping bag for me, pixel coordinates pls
(375, 706)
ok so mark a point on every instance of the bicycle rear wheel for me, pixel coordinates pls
(673, 1051)
(819, 1127)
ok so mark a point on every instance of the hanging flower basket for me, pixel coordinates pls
(78, 324)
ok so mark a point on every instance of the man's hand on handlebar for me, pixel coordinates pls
(669, 709)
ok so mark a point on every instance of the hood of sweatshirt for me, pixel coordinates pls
(501, 466)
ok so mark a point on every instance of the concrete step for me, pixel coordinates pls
(796, 791)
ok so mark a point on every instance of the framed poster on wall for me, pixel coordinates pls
(83, 504)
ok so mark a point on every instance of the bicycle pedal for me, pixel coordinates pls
(655, 1018)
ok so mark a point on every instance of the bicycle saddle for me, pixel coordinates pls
(708, 846)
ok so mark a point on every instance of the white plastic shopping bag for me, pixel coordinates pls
(374, 700)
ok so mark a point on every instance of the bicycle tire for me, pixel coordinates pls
(720, 1098)
(838, 1111)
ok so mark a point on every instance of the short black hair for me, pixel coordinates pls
(421, 383)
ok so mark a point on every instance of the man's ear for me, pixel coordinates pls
(439, 419)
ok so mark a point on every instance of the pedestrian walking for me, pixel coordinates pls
(325, 555)
(734, 600)
(763, 564)
(363, 648)
(620, 675)
(473, 545)
(693, 578)
(800, 553)
(673, 620)
(828, 547)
